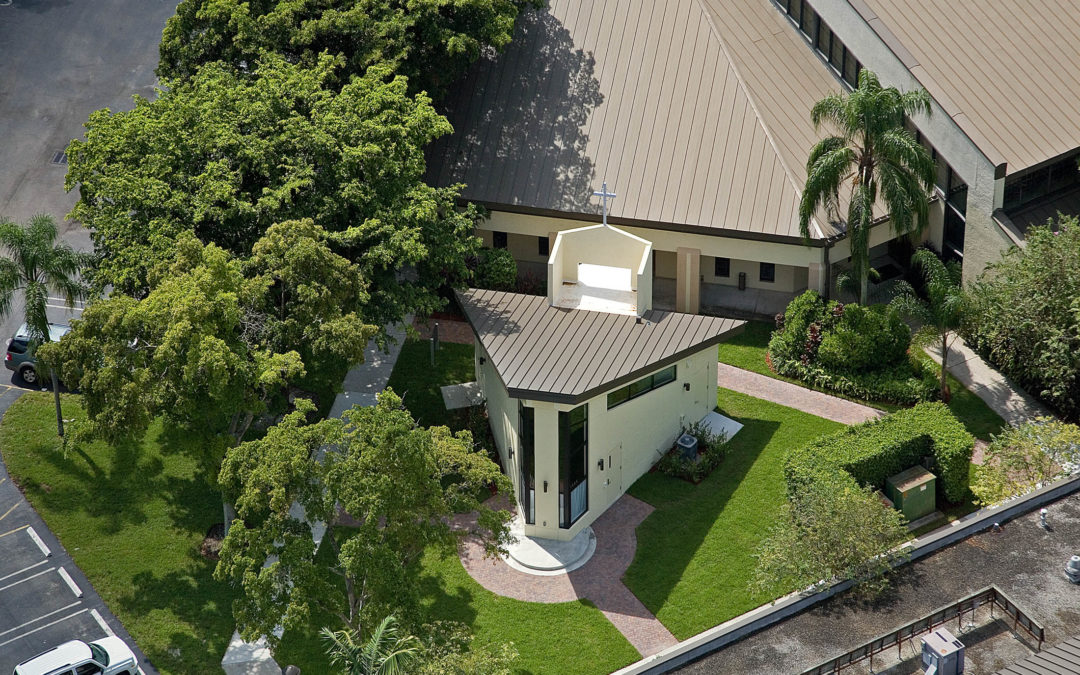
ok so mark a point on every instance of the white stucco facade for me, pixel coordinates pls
(629, 438)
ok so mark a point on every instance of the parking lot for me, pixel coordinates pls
(59, 313)
(44, 598)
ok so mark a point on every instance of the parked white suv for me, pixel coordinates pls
(108, 656)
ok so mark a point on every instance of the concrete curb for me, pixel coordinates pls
(718, 637)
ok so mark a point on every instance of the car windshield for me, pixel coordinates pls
(100, 655)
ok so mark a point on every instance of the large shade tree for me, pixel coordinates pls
(399, 483)
(227, 156)
(873, 160)
(430, 42)
(36, 266)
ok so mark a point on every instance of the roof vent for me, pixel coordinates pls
(1072, 569)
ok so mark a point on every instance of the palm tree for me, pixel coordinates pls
(877, 157)
(386, 652)
(943, 310)
(37, 265)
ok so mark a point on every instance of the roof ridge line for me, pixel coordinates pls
(707, 11)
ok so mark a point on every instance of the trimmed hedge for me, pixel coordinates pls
(869, 453)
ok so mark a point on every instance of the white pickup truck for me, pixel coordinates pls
(108, 656)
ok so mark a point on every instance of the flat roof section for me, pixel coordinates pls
(1008, 72)
(649, 97)
(563, 355)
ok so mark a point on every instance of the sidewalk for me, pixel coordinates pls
(793, 396)
(1011, 403)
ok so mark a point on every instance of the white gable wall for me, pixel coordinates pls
(634, 435)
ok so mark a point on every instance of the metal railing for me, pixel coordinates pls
(991, 595)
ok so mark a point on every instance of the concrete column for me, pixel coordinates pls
(688, 280)
(547, 469)
(816, 277)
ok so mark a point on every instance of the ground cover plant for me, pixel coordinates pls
(133, 516)
(694, 556)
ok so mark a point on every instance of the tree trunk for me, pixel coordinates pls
(864, 286)
(56, 398)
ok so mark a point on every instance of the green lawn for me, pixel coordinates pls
(695, 552)
(747, 351)
(418, 383)
(549, 638)
(133, 518)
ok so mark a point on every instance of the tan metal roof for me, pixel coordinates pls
(570, 355)
(696, 112)
(1008, 71)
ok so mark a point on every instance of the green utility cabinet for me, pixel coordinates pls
(912, 491)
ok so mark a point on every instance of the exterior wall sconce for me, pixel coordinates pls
(686, 386)
(482, 360)
(601, 464)
(511, 453)
(545, 486)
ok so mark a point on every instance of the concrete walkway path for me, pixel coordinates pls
(793, 396)
(599, 580)
(1013, 404)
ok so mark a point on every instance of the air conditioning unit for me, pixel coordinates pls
(942, 654)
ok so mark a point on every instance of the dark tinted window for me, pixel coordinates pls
(767, 272)
(18, 346)
(542, 245)
(722, 267)
(498, 239)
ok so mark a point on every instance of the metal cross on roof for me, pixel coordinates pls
(604, 195)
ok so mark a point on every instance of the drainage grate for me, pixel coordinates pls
(59, 157)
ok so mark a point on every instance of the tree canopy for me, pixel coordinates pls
(399, 483)
(430, 42)
(226, 157)
(876, 158)
(181, 352)
(1025, 316)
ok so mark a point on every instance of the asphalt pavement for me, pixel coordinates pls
(59, 61)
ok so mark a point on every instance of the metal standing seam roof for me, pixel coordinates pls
(696, 112)
(550, 353)
(1007, 71)
(1063, 659)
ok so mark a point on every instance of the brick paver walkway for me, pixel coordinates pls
(599, 580)
(793, 396)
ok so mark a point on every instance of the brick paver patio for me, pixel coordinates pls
(793, 396)
(599, 580)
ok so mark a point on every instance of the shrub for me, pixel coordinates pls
(712, 448)
(1021, 458)
(1025, 318)
(852, 350)
(496, 269)
(834, 529)
(871, 452)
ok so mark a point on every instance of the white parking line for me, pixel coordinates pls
(33, 576)
(101, 622)
(37, 540)
(43, 616)
(25, 569)
(53, 623)
(70, 582)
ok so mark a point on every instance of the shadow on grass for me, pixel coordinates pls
(670, 538)
(194, 598)
(114, 494)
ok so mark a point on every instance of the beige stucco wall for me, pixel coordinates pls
(634, 435)
(502, 411)
(789, 279)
